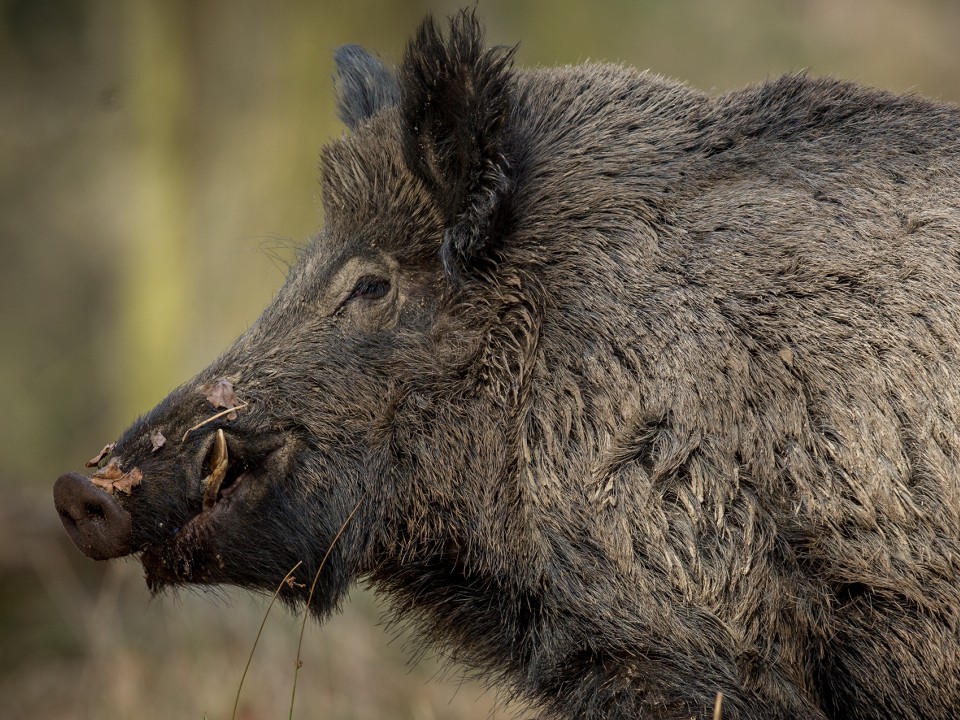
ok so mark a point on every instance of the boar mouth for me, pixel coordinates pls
(232, 469)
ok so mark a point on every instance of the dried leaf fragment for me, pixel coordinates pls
(129, 481)
(111, 477)
(220, 394)
(291, 581)
(157, 440)
(111, 471)
(94, 461)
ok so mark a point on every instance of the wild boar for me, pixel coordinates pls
(638, 395)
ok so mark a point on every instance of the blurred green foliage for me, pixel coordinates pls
(157, 172)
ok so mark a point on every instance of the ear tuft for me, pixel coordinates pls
(364, 85)
(455, 98)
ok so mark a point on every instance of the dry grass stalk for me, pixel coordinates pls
(286, 580)
(313, 586)
(211, 419)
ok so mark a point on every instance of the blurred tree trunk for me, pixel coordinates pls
(154, 268)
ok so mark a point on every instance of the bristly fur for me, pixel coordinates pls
(454, 100)
(364, 86)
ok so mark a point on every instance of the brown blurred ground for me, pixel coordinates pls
(157, 167)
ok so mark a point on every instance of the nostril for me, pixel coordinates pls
(94, 511)
(67, 519)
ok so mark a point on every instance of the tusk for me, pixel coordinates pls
(219, 460)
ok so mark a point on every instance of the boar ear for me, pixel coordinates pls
(454, 101)
(364, 85)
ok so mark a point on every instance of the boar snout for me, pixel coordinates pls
(93, 518)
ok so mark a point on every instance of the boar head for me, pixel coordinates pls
(382, 377)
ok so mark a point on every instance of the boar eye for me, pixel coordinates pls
(370, 287)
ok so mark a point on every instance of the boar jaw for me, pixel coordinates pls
(191, 553)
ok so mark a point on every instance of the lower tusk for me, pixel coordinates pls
(219, 460)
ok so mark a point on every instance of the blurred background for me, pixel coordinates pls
(157, 170)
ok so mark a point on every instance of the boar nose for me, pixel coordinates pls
(93, 518)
